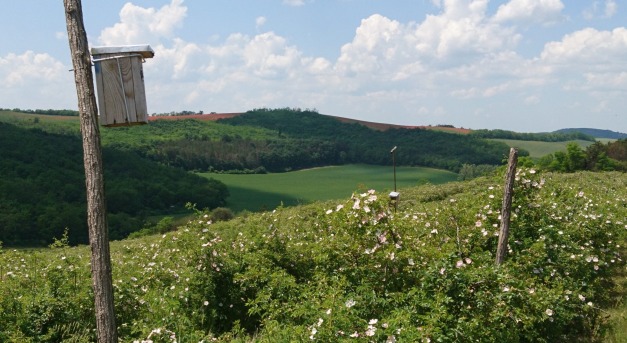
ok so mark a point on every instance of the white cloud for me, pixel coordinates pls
(431, 71)
(294, 3)
(589, 49)
(530, 11)
(260, 21)
(140, 25)
(19, 70)
(35, 79)
(610, 8)
(180, 60)
(596, 10)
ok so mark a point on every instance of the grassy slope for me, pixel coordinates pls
(267, 191)
(538, 149)
(152, 274)
(137, 136)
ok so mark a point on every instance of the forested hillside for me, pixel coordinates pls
(42, 188)
(595, 133)
(146, 167)
(354, 143)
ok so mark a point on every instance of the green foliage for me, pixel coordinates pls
(49, 112)
(221, 214)
(542, 137)
(539, 149)
(596, 157)
(472, 171)
(597, 133)
(350, 270)
(42, 189)
(354, 143)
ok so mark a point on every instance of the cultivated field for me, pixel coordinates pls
(255, 192)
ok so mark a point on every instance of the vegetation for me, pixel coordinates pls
(538, 149)
(287, 139)
(353, 269)
(608, 134)
(353, 143)
(174, 113)
(42, 189)
(49, 112)
(267, 191)
(596, 157)
(542, 137)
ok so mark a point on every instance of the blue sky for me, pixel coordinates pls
(522, 65)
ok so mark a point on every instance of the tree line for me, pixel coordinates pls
(49, 112)
(596, 157)
(528, 136)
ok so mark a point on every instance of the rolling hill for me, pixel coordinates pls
(597, 133)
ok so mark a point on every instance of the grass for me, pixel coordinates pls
(256, 192)
(538, 149)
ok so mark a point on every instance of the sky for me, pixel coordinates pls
(520, 65)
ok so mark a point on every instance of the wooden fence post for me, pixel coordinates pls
(506, 209)
(94, 178)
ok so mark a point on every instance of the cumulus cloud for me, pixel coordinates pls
(530, 11)
(589, 48)
(140, 25)
(17, 70)
(35, 79)
(423, 70)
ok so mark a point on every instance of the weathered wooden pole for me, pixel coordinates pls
(506, 209)
(94, 179)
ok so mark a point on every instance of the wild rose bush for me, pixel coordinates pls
(354, 270)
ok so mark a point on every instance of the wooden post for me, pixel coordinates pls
(94, 179)
(506, 209)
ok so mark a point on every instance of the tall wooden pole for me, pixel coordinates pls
(94, 179)
(506, 209)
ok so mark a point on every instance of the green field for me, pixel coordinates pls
(538, 149)
(256, 192)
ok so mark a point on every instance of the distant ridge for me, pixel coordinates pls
(372, 125)
(596, 133)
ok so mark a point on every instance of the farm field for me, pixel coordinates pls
(538, 149)
(256, 192)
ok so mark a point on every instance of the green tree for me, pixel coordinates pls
(575, 157)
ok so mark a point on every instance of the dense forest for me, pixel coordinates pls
(281, 140)
(42, 189)
(334, 142)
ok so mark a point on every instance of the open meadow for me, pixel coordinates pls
(254, 192)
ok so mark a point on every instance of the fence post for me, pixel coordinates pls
(506, 209)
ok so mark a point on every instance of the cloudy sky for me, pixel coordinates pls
(522, 65)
